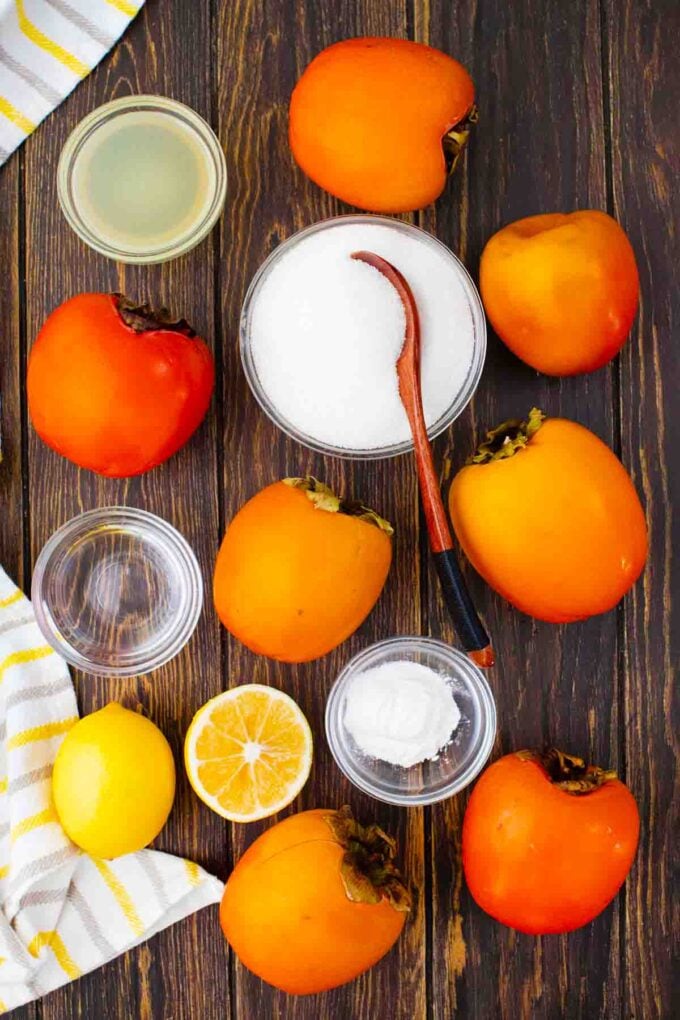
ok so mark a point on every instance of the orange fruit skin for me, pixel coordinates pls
(291, 581)
(367, 119)
(541, 860)
(561, 290)
(557, 529)
(112, 400)
(287, 916)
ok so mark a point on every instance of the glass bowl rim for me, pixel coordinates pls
(457, 405)
(92, 122)
(474, 677)
(110, 516)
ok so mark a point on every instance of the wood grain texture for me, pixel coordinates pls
(643, 74)
(555, 133)
(167, 50)
(270, 199)
(12, 502)
(538, 147)
(11, 488)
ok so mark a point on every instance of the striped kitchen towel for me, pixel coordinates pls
(63, 913)
(46, 48)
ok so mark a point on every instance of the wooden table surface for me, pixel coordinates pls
(576, 111)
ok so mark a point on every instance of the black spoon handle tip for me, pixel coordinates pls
(469, 627)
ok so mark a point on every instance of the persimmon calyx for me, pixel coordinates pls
(145, 319)
(506, 439)
(368, 871)
(456, 138)
(323, 498)
(568, 772)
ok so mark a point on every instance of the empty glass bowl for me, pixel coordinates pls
(456, 765)
(117, 591)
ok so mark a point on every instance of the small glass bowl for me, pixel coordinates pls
(117, 591)
(456, 765)
(458, 402)
(207, 142)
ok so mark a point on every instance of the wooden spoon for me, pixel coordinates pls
(469, 627)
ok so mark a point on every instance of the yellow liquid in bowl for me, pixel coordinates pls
(143, 181)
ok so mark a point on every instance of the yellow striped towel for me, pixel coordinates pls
(46, 48)
(63, 913)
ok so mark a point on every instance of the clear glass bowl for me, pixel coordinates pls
(459, 400)
(206, 142)
(117, 591)
(457, 764)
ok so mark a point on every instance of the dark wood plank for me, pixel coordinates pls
(270, 199)
(11, 485)
(538, 147)
(644, 81)
(167, 50)
(11, 494)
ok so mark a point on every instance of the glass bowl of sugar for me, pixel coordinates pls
(321, 334)
(411, 721)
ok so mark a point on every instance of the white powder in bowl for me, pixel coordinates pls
(401, 712)
(326, 332)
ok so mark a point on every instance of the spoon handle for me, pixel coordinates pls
(468, 626)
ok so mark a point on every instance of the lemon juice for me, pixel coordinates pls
(142, 179)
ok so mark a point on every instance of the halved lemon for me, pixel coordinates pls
(248, 752)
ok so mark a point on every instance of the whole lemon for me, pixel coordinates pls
(113, 782)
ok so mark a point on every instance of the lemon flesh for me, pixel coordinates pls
(248, 752)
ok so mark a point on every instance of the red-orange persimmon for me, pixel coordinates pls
(117, 388)
(547, 841)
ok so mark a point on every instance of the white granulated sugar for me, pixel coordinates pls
(326, 333)
(401, 712)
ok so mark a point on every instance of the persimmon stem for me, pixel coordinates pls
(507, 438)
(145, 319)
(456, 138)
(324, 498)
(367, 869)
(568, 772)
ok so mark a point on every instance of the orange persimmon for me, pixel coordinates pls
(315, 901)
(548, 840)
(300, 569)
(116, 387)
(550, 518)
(561, 290)
(378, 122)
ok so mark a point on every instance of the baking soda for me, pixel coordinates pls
(326, 332)
(401, 712)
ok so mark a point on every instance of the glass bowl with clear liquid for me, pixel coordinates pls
(117, 591)
(142, 179)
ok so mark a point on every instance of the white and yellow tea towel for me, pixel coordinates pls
(46, 48)
(62, 912)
